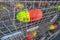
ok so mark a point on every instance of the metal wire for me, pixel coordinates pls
(53, 35)
(19, 26)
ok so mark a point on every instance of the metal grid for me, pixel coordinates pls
(9, 25)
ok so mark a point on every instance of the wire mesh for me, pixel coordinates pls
(9, 24)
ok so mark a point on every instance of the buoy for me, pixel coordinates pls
(47, 3)
(43, 3)
(58, 8)
(29, 15)
(1, 7)
(40, 4)
(18, 6)
(31, 35)
(53, 26)
(35, 33)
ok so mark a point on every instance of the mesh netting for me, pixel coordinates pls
(10, 25)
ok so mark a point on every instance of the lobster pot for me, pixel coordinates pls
(19, 19)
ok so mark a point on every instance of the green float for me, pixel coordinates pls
(58, 8)
(23, 16)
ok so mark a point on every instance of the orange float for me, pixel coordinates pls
(35, 14)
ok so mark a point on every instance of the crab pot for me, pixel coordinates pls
(19, 19)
